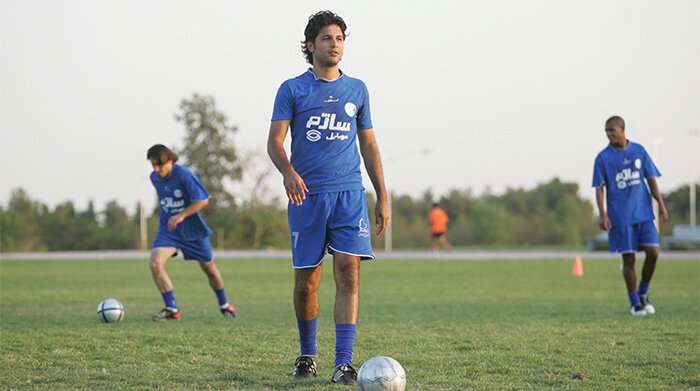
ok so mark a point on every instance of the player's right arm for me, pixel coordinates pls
(600, 200)
(293, 183)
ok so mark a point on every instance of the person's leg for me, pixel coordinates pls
(630, 276)
(631, 283)
(649, 242)
(213, 275)
(628, 272)
(306, 283)
(652, 255)
(346, 271)
(216, 282)
(434, 243)
(349, 242)
(445, 244)
(307, 224)
(159, 257)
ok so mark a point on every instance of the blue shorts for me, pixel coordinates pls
(193, 249)
(634, 237)
(333, 222)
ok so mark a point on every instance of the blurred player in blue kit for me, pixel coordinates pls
(328, 113)
(620, 169)
(181, 227)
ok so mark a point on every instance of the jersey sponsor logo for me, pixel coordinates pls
(627, 178)
(337, 136)
(329, 123)
(350, 109)
(313, 135)
(326, 121)
(171, 206)
(177, 193)
(363, 228)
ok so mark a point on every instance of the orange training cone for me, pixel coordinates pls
(578, 267)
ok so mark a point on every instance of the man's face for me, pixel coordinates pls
(162, 169)
(327, 49)
(616, 134)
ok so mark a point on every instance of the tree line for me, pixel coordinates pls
(551, 213)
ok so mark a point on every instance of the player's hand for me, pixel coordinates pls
(605, 224)
(294, 186)
(663, 212)
(174, 221)
(382, 215)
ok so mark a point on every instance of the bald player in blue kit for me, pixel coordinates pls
(620, 170)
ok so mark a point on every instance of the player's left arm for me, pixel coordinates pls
(373, 164)
(194, 207)
(654, 189)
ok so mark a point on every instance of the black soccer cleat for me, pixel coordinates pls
(304, 368)
(638, 310)
(344, 374)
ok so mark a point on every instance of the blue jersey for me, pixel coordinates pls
(176, 193)
(325, 117)
(623, 172)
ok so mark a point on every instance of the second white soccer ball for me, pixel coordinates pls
(110, 311)
(381, 373)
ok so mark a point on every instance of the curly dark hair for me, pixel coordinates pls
(318, 21)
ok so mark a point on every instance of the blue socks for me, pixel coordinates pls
(169, 299)
(221, 297)
(307, 336)
(344, 340)
(634, 298)
(344, 343)
(643, 288)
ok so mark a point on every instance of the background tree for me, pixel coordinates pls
(19, 223)
(209, 149)
(678, 204)
(119, 231)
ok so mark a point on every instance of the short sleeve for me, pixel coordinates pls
(648, 166)
(364, 115)
(598, 172)
(284, 103)
(194, 187)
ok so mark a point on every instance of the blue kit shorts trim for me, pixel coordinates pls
(194, 249)
(329, 222)
(634, 237)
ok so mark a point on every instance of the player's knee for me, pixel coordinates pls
(208, 267)
(305, 288)
(156, 267)
(348, 280)
(652, 254)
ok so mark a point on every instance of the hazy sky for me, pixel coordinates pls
(502, 93)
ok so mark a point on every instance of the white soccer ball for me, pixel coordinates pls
(381, 373)
(110, 311)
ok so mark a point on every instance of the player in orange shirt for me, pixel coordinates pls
(438, 221)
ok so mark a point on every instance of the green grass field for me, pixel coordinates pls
(454, 325)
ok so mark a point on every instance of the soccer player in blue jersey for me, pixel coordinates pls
(328, 113)
(620, 169)
(181, 227)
